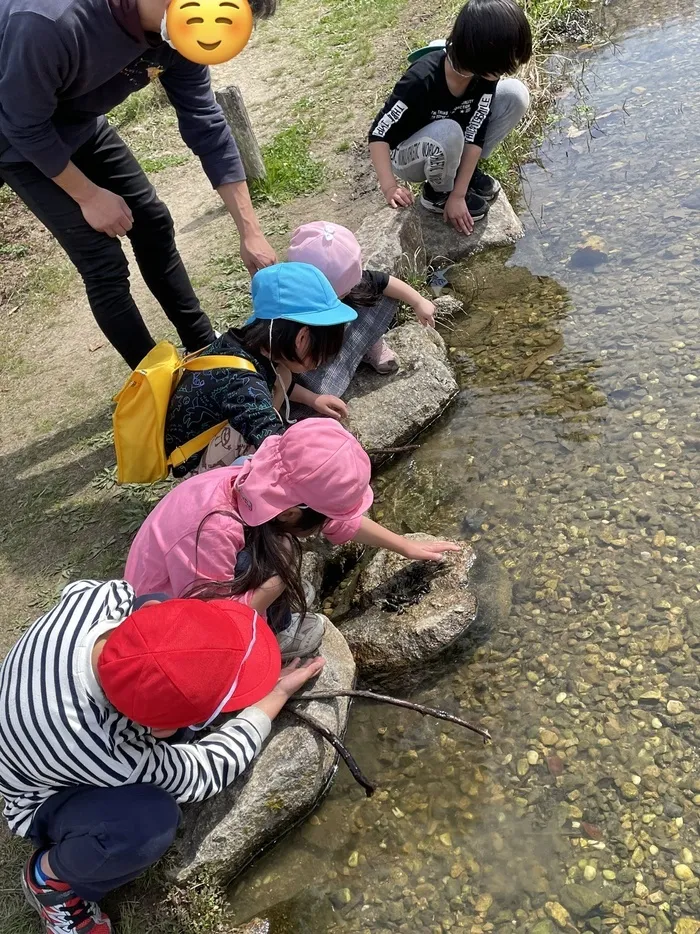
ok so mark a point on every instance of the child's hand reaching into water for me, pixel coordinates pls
(332, 406)
(425, 312)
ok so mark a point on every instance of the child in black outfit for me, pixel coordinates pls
(450, 110)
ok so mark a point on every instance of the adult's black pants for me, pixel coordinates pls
(108, 162)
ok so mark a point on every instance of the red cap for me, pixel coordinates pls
(176, 663)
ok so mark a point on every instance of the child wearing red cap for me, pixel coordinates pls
(315, 477)
(374, 296)
(88, 695)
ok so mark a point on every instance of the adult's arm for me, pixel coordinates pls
(33, 62)
(204, 129)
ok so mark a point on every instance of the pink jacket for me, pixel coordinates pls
(174, 548)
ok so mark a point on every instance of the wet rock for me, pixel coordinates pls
(222, 835)
(411, 611)
(582, 900)
(684, 873)
(501, 227)
(687, 926)
(543, 927)
(388, 411)
(587, 258)
(558, 914)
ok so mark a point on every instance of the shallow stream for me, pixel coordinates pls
(573, 455)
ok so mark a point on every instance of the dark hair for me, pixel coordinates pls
(274, 551)
(490, 37)
(366, 293)
(325, 342)
(263, 9)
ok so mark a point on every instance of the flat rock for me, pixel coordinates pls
(392, 241)
(222, 835)
(389, 411)
(409, 612)
(500, 227)
(581, 900)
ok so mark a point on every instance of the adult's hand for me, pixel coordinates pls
(256, 253)
(106, 212)
(457, 213)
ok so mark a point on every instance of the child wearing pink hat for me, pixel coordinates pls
(374, 295)
(234, 531)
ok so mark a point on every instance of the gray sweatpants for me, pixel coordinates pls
(433, 154)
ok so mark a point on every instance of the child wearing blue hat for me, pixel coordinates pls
(296, 326)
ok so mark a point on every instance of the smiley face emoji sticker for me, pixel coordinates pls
(209, 32)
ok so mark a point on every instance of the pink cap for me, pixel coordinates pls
(332, 249)
(315, 463)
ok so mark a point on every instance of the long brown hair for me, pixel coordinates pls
(274, 550)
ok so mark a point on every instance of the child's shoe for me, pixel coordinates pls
(60, 908)
(301, 638)
(435, 201)
(382, 358)
(483, 185)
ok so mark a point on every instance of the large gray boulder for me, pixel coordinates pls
(389, 411)
(222, 835)
(441, 241)
(409, 612)
(397, 241)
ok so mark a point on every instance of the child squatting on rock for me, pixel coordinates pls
(297, 325)
(235, 531)
(450, 110)
(94, 758)
(373, 295)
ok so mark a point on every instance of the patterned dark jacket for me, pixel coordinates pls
(241, 397)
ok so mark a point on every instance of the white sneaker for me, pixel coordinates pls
(302, 637)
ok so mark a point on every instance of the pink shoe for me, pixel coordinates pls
(382, 358)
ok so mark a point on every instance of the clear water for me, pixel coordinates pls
(574, 452)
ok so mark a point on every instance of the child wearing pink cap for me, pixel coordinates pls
(374, 295)
(313, 478)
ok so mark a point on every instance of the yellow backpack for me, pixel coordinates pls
(142, 407)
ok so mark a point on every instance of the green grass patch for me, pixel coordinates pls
(138, 106)
(153, 164)
(291, 170)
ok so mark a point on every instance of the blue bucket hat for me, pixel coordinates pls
(297, 292)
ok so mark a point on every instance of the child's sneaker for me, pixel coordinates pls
(60, 908)
(382, 358)
(483, 185)
(301, 638)
(435, 201)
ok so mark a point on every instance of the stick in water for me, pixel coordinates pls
(398, 702)
(342, 750)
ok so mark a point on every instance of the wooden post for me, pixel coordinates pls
(231, 101)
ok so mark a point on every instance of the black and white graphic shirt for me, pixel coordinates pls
(422, 96)
(57, 728)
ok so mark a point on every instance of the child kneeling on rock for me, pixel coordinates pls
(95, 698)
(235, 531)
(450, 110)
(297, 325)
(373, 295)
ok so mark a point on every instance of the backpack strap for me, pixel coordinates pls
(198, 443)
(216, 361)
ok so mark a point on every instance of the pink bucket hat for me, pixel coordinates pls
(332, 249)
(315, 463)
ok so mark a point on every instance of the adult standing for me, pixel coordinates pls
(64, 64)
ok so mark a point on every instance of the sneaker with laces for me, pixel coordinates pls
(302, 637)
(60, 908)
(483, 185)
(435, 201)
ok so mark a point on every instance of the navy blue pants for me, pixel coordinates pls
(101, 838)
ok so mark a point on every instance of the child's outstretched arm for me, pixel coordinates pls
(423, 309)
(456, 211)
(395, 194)
(371, 533)
(323, 404)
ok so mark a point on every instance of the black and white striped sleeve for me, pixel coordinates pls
(198, 771)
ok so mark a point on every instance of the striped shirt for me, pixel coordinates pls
(57, 728)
